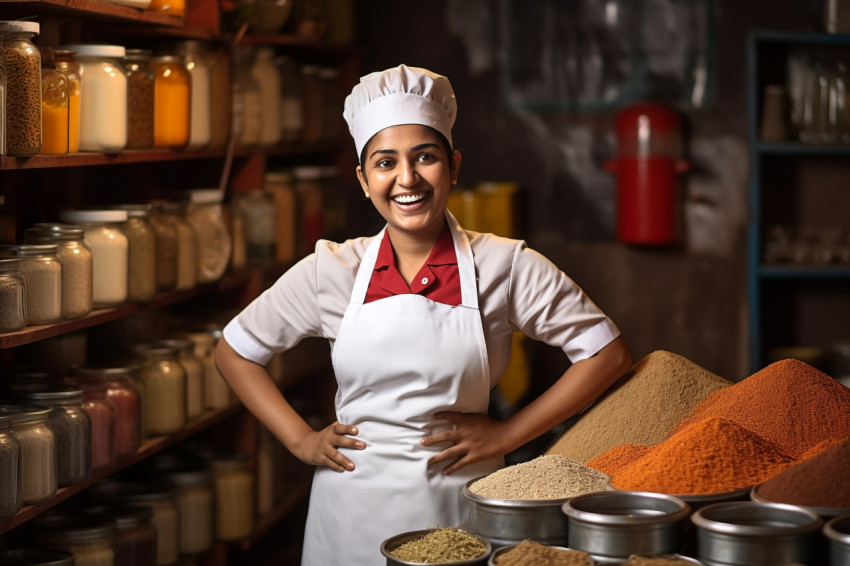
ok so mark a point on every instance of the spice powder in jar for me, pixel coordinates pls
(22, 61)
(123, 392)
(135, 535)
(164, 378)
(10, 469)
(12, 310)
(140, 82)
(141, 241)
(89, 539)
(38, 451)
(42, 272)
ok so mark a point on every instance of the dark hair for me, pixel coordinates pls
(446, 145)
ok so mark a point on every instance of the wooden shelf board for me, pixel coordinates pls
(93, 8)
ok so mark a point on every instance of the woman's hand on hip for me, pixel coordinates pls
(475, 437)
(319, 448)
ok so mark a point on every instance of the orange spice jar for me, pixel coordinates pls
(172, 91)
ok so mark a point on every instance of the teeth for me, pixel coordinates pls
(408, 199)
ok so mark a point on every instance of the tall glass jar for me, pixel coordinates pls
(22, 62)
(13, 316)
(135, 534)
(167, 246)
(141, 241)
(89, 539)
(291, 105)
(140, 84)
(10, 469)
(173, 7)
(193, 494)
(247, 106)
(220, 88)
(55, 106)
(172, 101)
(217, 394)
(258, 210)
(103, 418)
(68, 66)
(103, 97)
(195, 56)
(110, 253)
(214, 241)
(165, 386)
(234, 496)
(267, 75)
(70, 425)
(42, 272)
(77, 264)
(280, 185)
(194, 374)
(38, 450)
(187, 244)
(124, 392)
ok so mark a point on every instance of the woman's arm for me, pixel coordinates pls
(262, 397)
(478, 437)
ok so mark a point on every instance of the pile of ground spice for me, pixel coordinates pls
(820, 481)
(543, 478)
(440, 546)
(612, 461)
(660, 390)
(529, 552)
(789, 402)
(709, 456)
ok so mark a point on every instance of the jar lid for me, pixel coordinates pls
(205, 196)
(181, 344)
(65, 527)
(9, 264)
(94, 215)
(307, 172)
(130, 491)
(27, 250)
(45, 392)
(137, 54)
(96, 50)
(54, 231)
(153, 349)
(25, 413)
(125, 516)
(32, 556)
(135, 210)
(165, 58)
(17, 26)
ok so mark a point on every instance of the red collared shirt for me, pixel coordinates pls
(437, 280)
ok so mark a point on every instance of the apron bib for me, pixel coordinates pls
(398, 361)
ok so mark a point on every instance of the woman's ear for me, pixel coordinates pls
(456, 158)
(362, 178)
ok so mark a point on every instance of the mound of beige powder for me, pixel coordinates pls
(659, 391)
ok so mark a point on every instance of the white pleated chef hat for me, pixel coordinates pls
(397, 96)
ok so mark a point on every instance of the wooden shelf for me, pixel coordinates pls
(299, 492)
(90, 8)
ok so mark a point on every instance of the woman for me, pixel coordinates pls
(420, 319)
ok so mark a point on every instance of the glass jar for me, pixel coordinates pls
(165, 386)
(110, 253)
(55, 106)
(68, 66)
(172, 101)
(267, 75)
(214, 241)
(217, 394)
(195, 55)
(279, 185)
(291, 106)
(167, 246)
(193, 494)
(247, 105)
(159, 498)
(234, 496)
(270, 16)
(235, 221)
(13, 316)
(102, 415)
(221, 94)
(70, 425)
(10, 469)
(38, 451)
(42, 272)
(135, 535)
(258, 210)
(173, 7)
(22, 61)
(140, 83)
(312, 103)
(77, 264)
(194, 374)
(122, 391)
(141, 241)
(32, 556)
(308, 187)
(187, 244)
(103, 97)
(89, 539)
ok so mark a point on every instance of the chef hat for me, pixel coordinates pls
(401, 95)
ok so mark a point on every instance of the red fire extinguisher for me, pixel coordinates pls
(648, 164)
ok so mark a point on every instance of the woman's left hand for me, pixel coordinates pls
(475, 437)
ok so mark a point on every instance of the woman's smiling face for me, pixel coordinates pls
(407, 175)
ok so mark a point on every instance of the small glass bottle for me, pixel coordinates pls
(10, 469)
(141, 241)
(77, 264)
(13, 316)
(68, 66)
(22, 61)
(194, 374)
(42, 272)
(195, 56)
(140, 84)
(214, 241)
(234, 496)
(258, 210)
(38, 451)
(55, 106)
(89, 539)
(172, 101)
(165, 386)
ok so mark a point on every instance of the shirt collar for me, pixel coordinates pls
(443, 252)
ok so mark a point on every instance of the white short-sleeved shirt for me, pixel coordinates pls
(518, 290)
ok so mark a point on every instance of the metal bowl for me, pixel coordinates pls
(755, 534)
(613, 525)
(394, 542)
(825, 512)
(500, 551)
(685, 559)
(837, 531)
(510, 521)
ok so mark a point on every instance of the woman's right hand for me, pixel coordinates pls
(319, 448)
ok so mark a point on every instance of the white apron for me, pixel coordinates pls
(398, 361)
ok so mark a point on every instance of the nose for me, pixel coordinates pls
(408, 175)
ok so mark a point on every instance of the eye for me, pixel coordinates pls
(384, 163)
(426, 158)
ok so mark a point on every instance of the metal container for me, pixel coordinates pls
(500, 551)
(510, 521)
(612, 525)
(394, 542)
(825, 513)
(755, 534)
(837, 532)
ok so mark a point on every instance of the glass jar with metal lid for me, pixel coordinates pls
(77, 264)
(175, 212)
(135, 534)
(10, 469)
(89, 539)
(68, 66)
(103, 97)
(42, 272)
(194, 374)
(38, 450)
(23, 87)
(195, 55)
(171, 101)
(110, 253)
(70, 425)
(55, 106)
(167, 246)
(141, 241)
(234, 495)
(140, 81)
(215, 244)
(123, 389)
(192, 483)
(101, 413)
(258, 209)
(217, 394)
(13, 314)
(165, 386)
